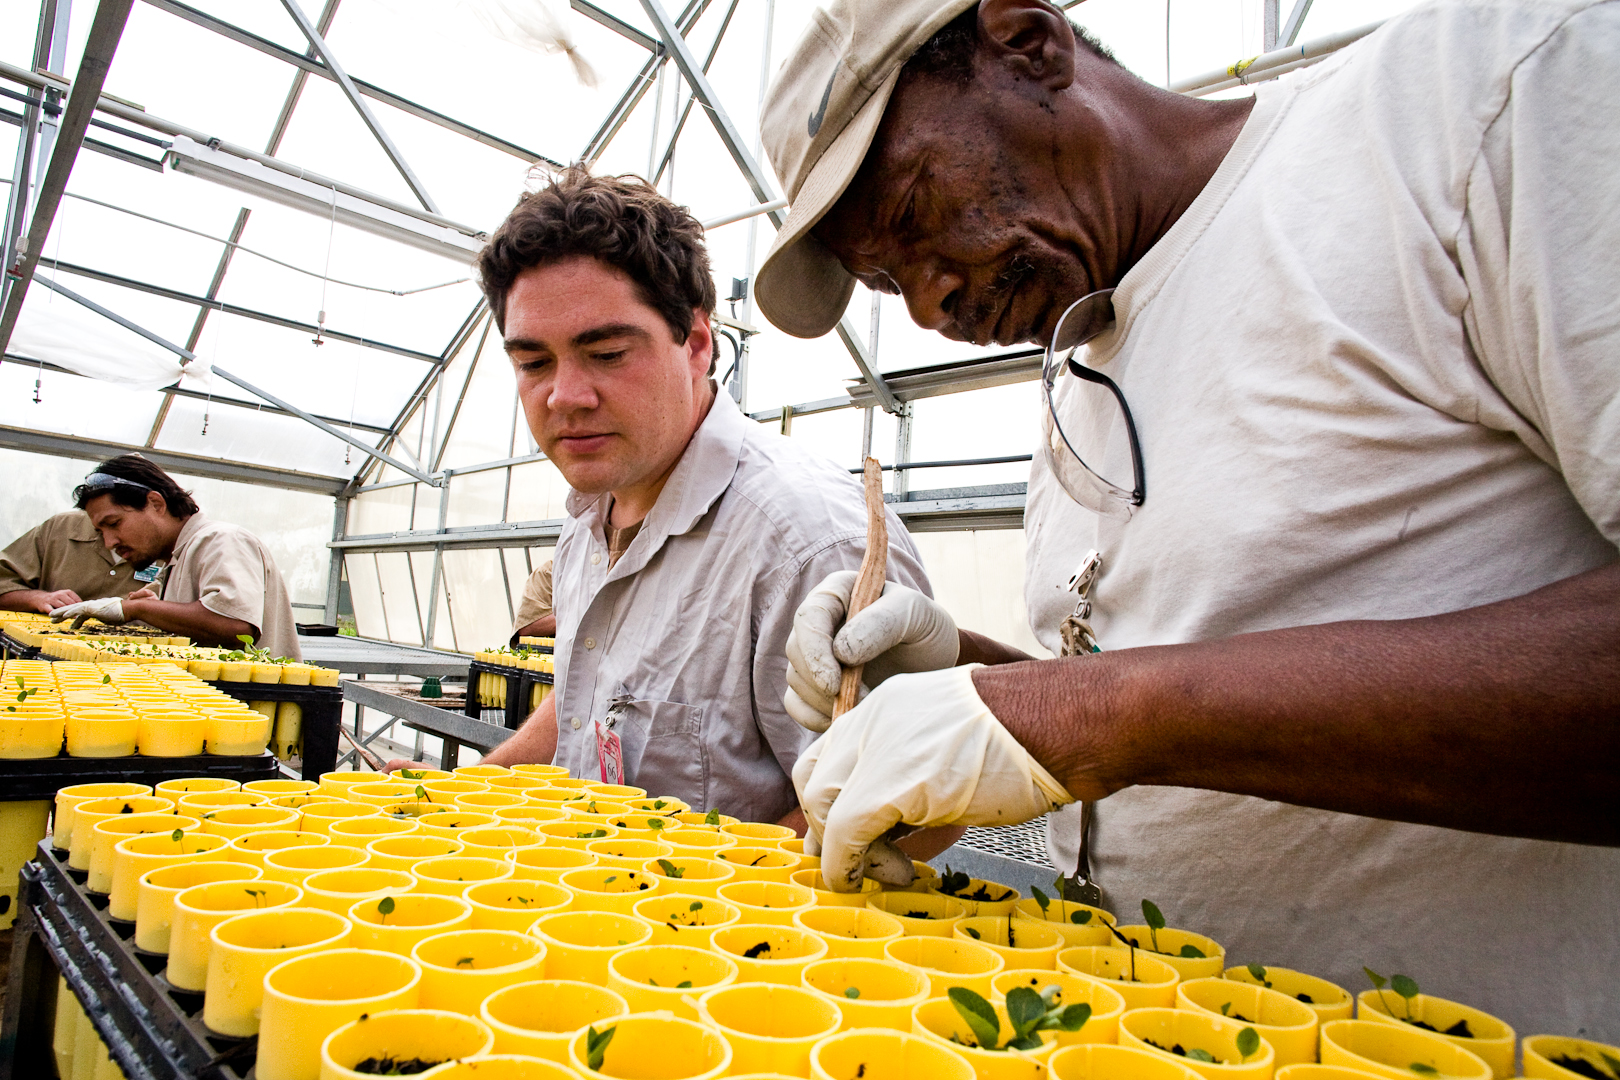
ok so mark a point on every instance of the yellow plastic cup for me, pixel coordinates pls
(405, 851)
(656, 1046)
(1390, 1050)
(25, 737)
(69, 798)
(886, 1055)
(461, 968)
(699, 819)
(759, 863)
(200, 803)
(1061, 915)
(548, 863)
(685, 918)
(275, 788)
(1330, 1001)
(309, 997)
(921, 914)
(381, 792)
(195, 785)
(948, 962)
(542, 771)
(1022, 943)
(135, 855)
(1106, 1005)
(452, 874)
(360, 831)
(445, 792)
(245, 947)
(200, 908)
(580, 943)
(480, 772)
(663, 805)
(1492, 1039)
(810, 878)
(88, 813)
(336, 783)
(516, 782)
(339, 890)
(796, 847)
(1313, 1071)
(1290, 1026)
(697, 843)
(689, 874)
(294, 865)
(1106, 1061)
(870, 993)
(156, 889)
(529, 815)
(769, 953)
(396, 922)
(938, 1019)
(759, 833)
(234, 735)
(979, 897)
(487, 802)
(108, 832)
(1542, 1052)
(1161, 1029)
(1170, 943)
(767, 901)
(89, 736)
(771, 1028)
(1144, 981)
(254, 846)
(451, 823)
(497, 841)
(426, 1035)
(653, 978)
(319, 817)
(850, 931)
(609, 888)
(540, 1018)
(300, 800)
(234, 821)
(170, 736)
(628, 854)
(514, 905)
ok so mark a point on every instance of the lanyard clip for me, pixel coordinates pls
(1086, 574)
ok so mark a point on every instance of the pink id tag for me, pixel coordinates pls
(610, 754)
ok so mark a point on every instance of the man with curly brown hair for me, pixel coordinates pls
(693, 533)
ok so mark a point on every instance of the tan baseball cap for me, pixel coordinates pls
(819, 119)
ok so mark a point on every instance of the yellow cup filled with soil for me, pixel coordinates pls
(156, 889)
(69, 798)
(339, 890)
(497, 841)
(921, 914)
(1473, 1030)
(540, 1018)
(668, 977)
(1144, 981)
(1290, 1026)
(360, 831)
(513, 905)
(889, 1055)
(200, 908)
(767, 901)
(87, 814)
(1080, 924)
(234, 821)
(452, 874)
(254, 846)
(1021, 943)
(406, 850)
(580, 943)
(1390, 1050)
(396, 922)
(810, 878)
(1177, 948)
(295, 864)
(319, 817)
(851, 931)
(106, 834)
(697, 843)
(684, 918)
(609, 888)
(135, 855)
(948, 962)
(463, 967)
(655, 1046)
(939, 1019)
(398, 1040)
(870, 993)
(1330, 1001)
(1199, 1034)
(771, 1028)
(769, 953)
(689, 874)
(759, 863)
(1106, 1004)
(245, 947)
(1106, 1061)
(547, 863)
(309, 997)
(1556, 1057)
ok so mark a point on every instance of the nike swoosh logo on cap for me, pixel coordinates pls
(821, 114)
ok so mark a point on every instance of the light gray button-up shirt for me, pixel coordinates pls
(678, 647)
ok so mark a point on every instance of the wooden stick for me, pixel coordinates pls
(365, 754)
(869, 582)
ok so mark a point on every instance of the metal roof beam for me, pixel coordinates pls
(105, 31)
(638, 88)
(73, 446)
(615, 24)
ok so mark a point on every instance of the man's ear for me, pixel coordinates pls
(156, 503)
(1033, 38)
(700, 344)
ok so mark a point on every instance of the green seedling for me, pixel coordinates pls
(1248, 1044)
(1259, 974)
(684, 984)
(421, 793)
(1155, 922)
(178, 835)
(594, 834)
(655, 823)
(852, 992)
(1201, 1055)
(670, 869)
(1079, 918)
(659, 804)
(712, 817)
(105, 679)
(696, 905)
(610, 879)
(972, 933)
(1423, 1070)
(258, 896)
(407, 774)
(1028, 1013)
(1404, 985)
(1042, 901)
(465, 961)
(1128, 943)
(385, 908)
(596, 1044)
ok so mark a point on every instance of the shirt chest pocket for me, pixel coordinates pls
(662, 747)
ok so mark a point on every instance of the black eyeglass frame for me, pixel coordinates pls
(1138, 493)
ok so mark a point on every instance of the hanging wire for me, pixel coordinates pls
(326, 277)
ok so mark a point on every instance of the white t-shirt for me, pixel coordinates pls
(1375, 370)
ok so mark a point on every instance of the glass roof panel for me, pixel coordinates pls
(59, 331)
(72, 405)
(258, 438)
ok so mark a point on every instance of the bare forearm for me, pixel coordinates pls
(978, 649)
(26, 600)
(1502, 719)
(544, 626)
(535, 743)
(193, 620)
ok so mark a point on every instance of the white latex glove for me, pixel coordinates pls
(109, 611)
(901, 631)
(924, 750)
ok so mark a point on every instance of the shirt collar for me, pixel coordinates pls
(188, 532)
(701, 476)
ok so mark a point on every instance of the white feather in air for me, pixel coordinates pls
(535, 25)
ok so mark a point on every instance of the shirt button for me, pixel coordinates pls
(590, 643)
(574, 723)
(596, 558)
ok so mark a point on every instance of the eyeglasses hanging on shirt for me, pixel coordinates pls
(1089, 456)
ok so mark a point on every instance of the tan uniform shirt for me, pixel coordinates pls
(65, 552)
(536, 602)
(228, 569)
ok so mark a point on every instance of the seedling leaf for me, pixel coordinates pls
(1248, 1042)
(1155, 920)
(684, 984)
(177, 835)
(1404, 985)
(1201, 1055)
(1423, 1070)
(1378, 981)
(421, 792)
(1025, 1010)
(596, 1044)
(1079, 918)
(852, 992)
(712, 817)
(670, 869)
(1192, 952)
(696, 905)
(1074, 1017)
(1259, 973)
(972, 933)
(1226, 1008)
(1042, 901)
(978, 1014)
(385, 906)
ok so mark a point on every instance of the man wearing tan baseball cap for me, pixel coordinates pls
(1340, 434)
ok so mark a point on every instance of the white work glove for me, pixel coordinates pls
(109, 611)
(921, 749)
(901, 631)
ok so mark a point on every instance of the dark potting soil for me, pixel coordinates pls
(1306, 998)
(1582, 1066)
(1460, 1029)
(918, 915)
(1177, 1049)
(754, 951)
(389, 1066)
